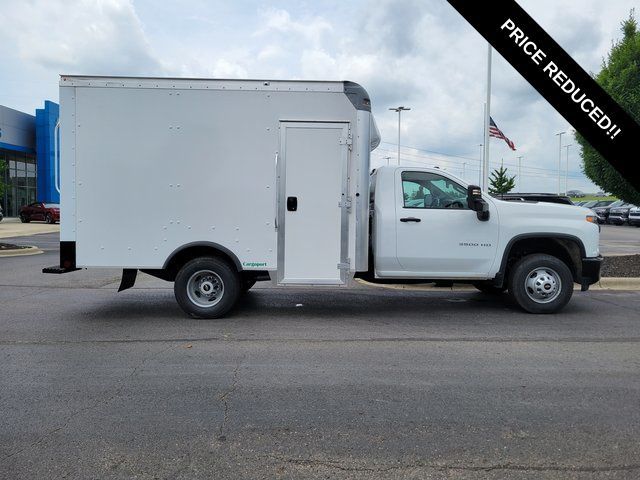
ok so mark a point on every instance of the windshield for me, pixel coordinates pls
(604, 203)
(590, 204)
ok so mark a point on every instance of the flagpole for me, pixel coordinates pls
(485, 159)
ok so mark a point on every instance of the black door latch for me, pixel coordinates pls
(292, 204)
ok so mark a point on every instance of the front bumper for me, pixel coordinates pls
(590, 272)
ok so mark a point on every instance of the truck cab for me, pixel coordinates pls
(428, 224)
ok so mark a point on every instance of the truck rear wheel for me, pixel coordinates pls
(207, 287)
(541, 283)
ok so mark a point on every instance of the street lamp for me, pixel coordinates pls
(387, 159)
(520, 173)
(399, 110)
(566, 173)
(559, 135)
(481, 145)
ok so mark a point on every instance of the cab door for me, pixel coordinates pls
(437, 234)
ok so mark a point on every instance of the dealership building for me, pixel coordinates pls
(27, 146)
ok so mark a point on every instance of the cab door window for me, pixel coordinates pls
(432, 191)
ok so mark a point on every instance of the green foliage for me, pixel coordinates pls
(620, 78)
(500, 182)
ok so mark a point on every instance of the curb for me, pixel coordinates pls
(605, 283)
(19, 252)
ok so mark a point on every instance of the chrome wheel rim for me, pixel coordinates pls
(205, 288)
(543, 285)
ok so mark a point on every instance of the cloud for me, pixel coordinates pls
(83, 36)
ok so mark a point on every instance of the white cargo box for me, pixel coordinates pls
(274, 173)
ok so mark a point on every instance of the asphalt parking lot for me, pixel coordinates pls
(310, 383)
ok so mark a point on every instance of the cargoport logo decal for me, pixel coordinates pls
(254, 264)
(559, 79)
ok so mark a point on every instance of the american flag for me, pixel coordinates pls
(494, 131)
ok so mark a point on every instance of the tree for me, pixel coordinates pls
(620, 78)
(500, 182)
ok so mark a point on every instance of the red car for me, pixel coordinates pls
(48, 212)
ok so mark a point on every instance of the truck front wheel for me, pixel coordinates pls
(541, 283)
(207, 287)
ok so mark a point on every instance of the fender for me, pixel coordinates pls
(213, 245)
(499, 278)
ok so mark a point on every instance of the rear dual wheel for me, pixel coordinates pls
(207, 287)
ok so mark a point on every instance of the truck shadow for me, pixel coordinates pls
(333, 305)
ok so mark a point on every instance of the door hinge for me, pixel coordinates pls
(344, 265)
(346, 203)
(346, 141)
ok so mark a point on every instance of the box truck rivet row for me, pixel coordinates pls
(275, 185)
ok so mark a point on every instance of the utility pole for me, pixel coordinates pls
(520, 174)
(399, 110)
(387, 159)
(559, 135)
(464, 168)
(487, 116)
(566, 173)
(481, 145)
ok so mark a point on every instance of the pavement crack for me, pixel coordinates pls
(224, 398)
(120, 387)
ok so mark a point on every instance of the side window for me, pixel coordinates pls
(430, 190)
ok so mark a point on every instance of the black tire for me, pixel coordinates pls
(49, 218)
(540, 283)
(197, 283)
(247, 284)
(24, 219)
(489, 287)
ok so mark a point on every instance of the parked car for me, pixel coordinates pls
(46, 212)
(634, 216)
(601, 208)
(620, 215)
(575, 193)
(602, 211)
(535, 197)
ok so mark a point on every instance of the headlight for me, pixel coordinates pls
(591, 218)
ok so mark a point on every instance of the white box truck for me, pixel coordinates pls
(217, 184)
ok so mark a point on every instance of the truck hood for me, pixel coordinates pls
(542, 209)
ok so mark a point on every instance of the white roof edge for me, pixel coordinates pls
(201, 83)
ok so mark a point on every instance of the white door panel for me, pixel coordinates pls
(312, 175)
(435, 237)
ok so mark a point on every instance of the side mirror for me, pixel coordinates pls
(477, 203)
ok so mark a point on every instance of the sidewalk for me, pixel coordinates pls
(12, 227)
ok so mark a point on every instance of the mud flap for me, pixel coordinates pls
(128, 278)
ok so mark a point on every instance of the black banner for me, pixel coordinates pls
(559, 79)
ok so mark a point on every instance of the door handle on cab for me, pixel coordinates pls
(409, 219)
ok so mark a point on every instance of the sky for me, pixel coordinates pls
(418, 53)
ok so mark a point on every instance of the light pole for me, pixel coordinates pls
(464, 169)
(520, 174)
(387, 159)
(399, 110)
(559, 135)
(481, 145)
(566, 173)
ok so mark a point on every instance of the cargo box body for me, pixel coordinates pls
(275, 173)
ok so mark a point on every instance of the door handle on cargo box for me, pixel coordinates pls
(410, 219)
(292, 204)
